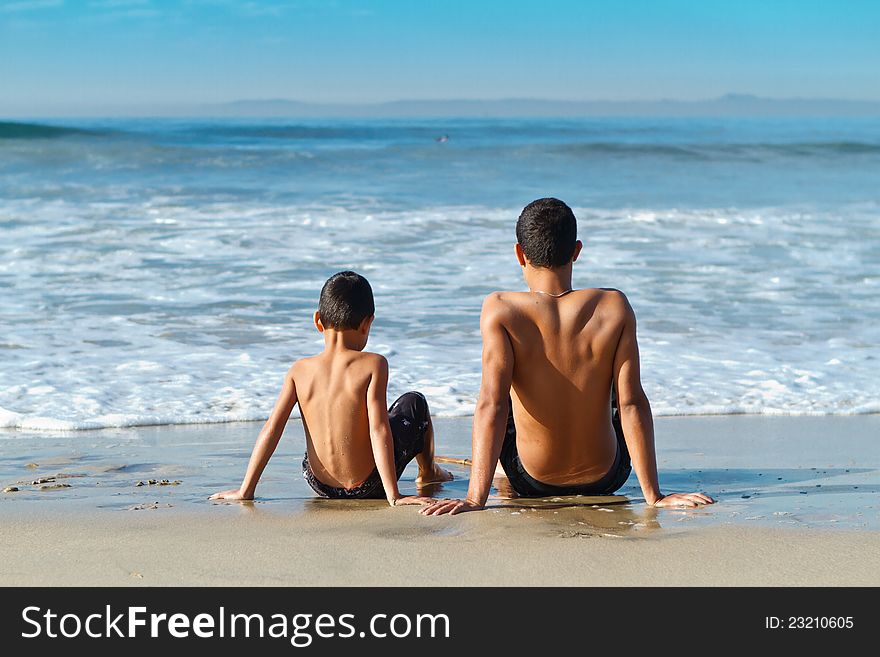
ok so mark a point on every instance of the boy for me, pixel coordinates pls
(553, 359)
(356, 448)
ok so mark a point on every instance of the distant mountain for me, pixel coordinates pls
(728, 105)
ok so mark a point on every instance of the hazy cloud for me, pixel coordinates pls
(118, 4)
(122, 13)
(250, 8)
(30, 5)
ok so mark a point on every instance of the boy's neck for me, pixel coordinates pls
(344, 340)
(550, 281)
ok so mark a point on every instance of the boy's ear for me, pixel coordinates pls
(366, 324)
(577, 250)
(318, 323)
(520, 256)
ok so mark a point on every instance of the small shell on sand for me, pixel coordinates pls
(156, 482)
(54, 486)
(152, 505)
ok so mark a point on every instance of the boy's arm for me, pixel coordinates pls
(266, 443)
(490, 415)
(637, 421)
(381, 438)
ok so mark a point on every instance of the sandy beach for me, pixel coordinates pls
(797, 506)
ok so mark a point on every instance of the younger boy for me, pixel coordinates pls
(356, 447)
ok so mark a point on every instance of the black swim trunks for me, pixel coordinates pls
(409, 418)
(527, 486)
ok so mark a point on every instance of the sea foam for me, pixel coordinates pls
(169, 275)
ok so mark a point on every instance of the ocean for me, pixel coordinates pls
(164, 271)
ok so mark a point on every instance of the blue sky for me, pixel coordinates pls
(71, 52)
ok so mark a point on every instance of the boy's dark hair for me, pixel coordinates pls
(547, 232)
(346, 301)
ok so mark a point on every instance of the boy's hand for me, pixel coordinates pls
(683, 499)
(451, 507)
(232, 495)
(407, 500)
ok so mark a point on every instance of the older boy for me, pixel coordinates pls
(552, 359)
(355, 446)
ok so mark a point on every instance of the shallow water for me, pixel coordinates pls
(164, 272)
(755, 467)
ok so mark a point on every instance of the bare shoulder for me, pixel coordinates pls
(494, 301)
(310, 366)
(614, 303)
(301, 368)
(375, 363)
(498, 306)
(304, 363)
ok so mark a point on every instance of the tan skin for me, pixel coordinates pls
(342, 398)
(557, 358)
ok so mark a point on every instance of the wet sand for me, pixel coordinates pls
(798, 505)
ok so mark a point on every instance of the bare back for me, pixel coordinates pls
(332, 393)
(563, 362)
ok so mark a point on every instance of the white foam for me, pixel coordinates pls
(118, 320)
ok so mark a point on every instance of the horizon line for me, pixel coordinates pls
(730, 96)
(729, 104)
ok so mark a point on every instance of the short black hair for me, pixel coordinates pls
(346, 301)
(547, 232)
